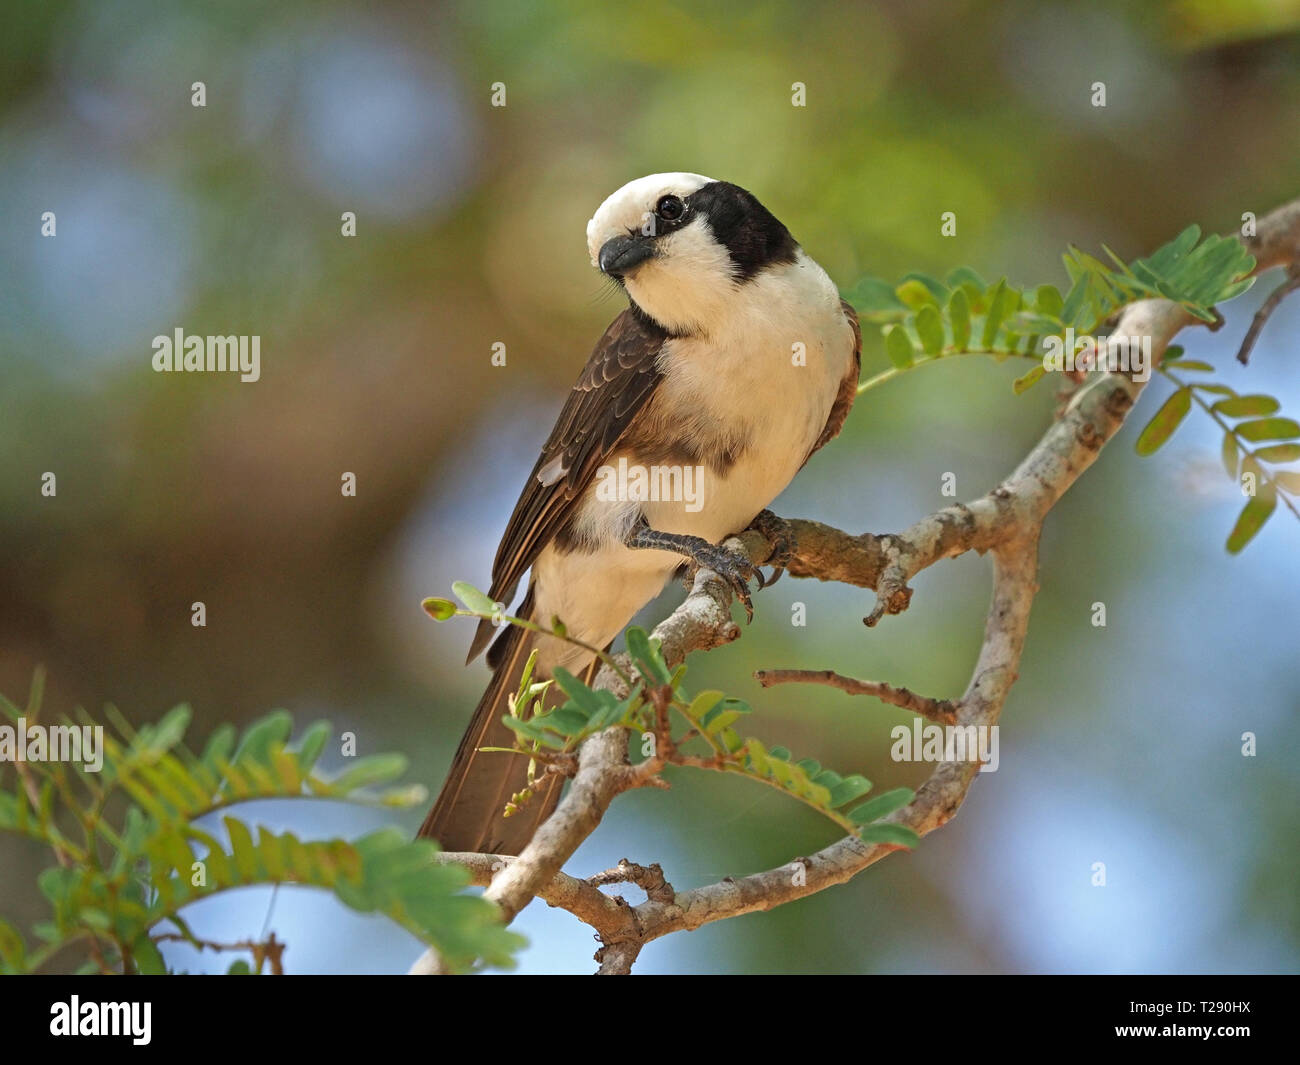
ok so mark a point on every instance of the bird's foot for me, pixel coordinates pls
(779, 533)
(733, 568)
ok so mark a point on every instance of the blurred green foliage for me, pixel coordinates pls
(125, 833)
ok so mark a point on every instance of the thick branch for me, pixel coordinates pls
(937, 801)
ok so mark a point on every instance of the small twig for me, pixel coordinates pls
(892, 593)
(560, 763)
(269, 949)
(1265, 312)
(943, 711)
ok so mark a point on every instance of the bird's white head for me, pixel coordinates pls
(683, 245)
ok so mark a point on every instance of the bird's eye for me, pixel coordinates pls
(670, 208)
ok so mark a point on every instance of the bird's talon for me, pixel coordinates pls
(734, 569)
(779, 534)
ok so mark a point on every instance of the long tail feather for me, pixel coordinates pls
(468, 813)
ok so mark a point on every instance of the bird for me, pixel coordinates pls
(735, 360)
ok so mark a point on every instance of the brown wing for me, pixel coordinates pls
(616, 382)
(848, 387)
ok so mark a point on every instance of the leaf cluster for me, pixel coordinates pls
(697, 731)
(132, 852)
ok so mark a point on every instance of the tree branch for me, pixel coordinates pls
(942, 711)
(1005, 523)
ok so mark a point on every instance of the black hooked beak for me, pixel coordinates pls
(620, 255)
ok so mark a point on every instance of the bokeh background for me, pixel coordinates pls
(1119, 744)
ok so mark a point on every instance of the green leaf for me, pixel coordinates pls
(915, 294)
(1173, 352)
(703, 704)
(848, 789)
(312, 744)
(243, 854)
(725, 713)
(370, 770)
(827, 778)
(721, 717)
(148, 960)
(1252, 518)
(964, 275)
(872, 297)
(1167, 419)
(936, 292)
(13, 952)
(1048, 301)
(937, 288)
(219, 746)
(730, 739)
(1035, 324)
(959, 316)
(898, 347)
(526, 686)
(1075, 307)
(881, 806)
(1231, 456)
(1193, 364)
(439, 609)
(583, 697)
(647, 656)
(1279, 453)
(170, 730)
(998, 304)
(975, 297)
(1027, 381)
(475, 600)
(567, 721)
(1289, 480)
(929, 327)
(262, 734)
(1247, 406)
(890, 834)
(1170, 253)
(1269, 429)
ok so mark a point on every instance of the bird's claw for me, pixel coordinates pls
(780, 535)
(733, 568)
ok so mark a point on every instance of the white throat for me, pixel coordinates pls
(692, 288)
